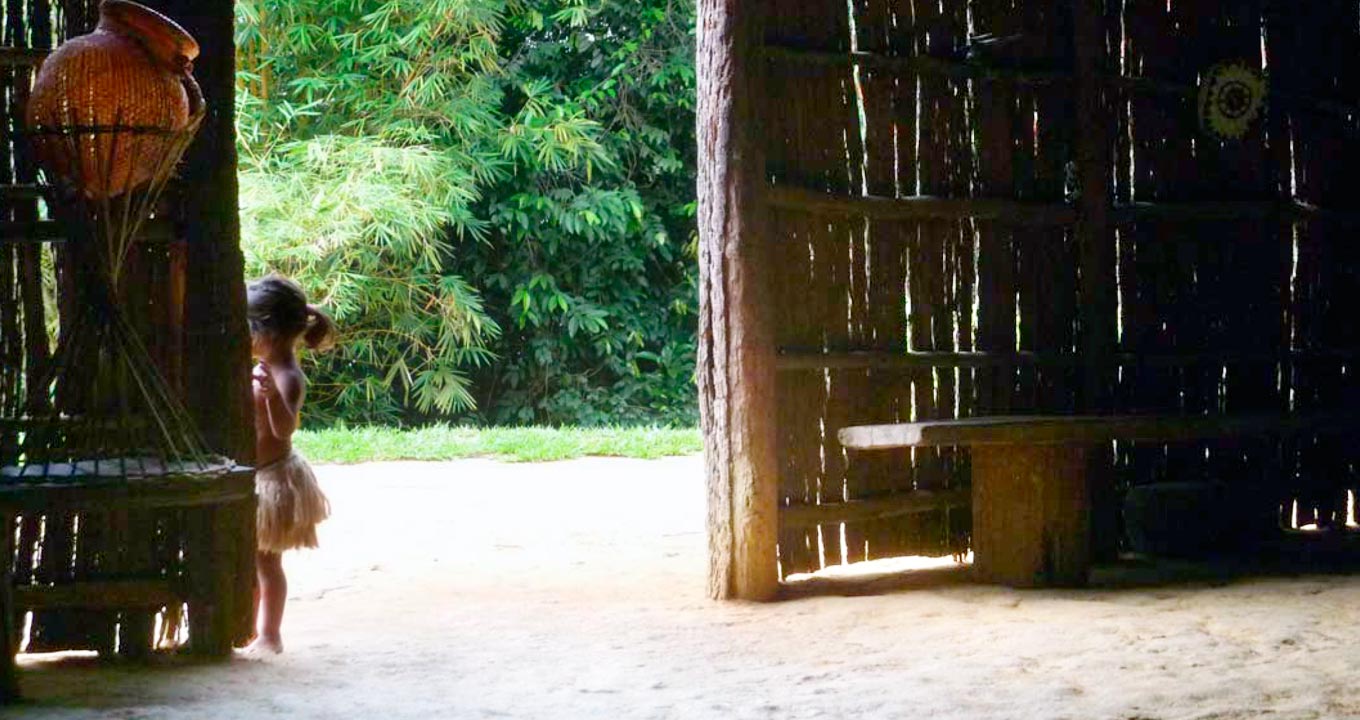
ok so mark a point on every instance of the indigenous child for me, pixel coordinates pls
(290, 501)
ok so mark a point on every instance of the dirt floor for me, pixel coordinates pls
(576, 590)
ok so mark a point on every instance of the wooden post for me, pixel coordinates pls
(736, 346)
(1031, 515)
(9, 680)
(217, 351)
(1095, 242)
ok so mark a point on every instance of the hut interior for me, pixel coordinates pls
(128, 569)
(917, 211)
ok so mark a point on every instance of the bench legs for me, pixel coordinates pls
(1031, 515)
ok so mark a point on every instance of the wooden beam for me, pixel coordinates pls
(972, 70)
(1206, 211)
(120, 595)
(22, 57)
(9, 634)
(795, 360)
(919, 207)
(1086, 429)
(51, 231)
(798, 516)
(29, 191)
(736, 365)
(914, 64)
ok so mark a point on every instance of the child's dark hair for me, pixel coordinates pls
(277, 306)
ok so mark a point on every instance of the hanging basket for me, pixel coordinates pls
(134, 73)
(111, 116)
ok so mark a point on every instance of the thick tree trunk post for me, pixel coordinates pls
(217, 354)
(736, 347)
(1031, 516)
(217, 351)
(1095, 242)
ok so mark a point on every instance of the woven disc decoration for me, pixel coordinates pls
(1231, 97)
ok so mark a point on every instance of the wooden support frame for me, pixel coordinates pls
(217, 562)
(736, 345)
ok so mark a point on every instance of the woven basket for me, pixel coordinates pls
(121, 88)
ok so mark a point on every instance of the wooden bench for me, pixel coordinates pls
(1030, 495)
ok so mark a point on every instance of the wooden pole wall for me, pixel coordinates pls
(736, 349)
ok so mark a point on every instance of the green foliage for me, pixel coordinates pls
(518, 444)
(494, 198)
(591, 273)
(363, 225)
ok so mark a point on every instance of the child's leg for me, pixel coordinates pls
(273, 592)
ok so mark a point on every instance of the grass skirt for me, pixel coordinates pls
(290, 505)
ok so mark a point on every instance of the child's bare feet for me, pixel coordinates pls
(265, 646)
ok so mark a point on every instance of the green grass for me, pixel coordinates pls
(442, 442)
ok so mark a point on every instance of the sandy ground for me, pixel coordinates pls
(576, 590)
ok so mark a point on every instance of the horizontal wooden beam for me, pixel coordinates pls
(119, 594)
(918, 207)
(794, 360)
(958, 69)
(1210, 211)
(1308, 211)
(1087, 429)
(972, 70)
(922, 501)
(12, 192)
(22, 57)
(922, 207)
(52, 231)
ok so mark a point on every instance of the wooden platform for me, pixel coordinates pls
(218, 552)
(1031, 496)
(1084, 429)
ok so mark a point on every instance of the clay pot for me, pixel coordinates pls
(133, 71)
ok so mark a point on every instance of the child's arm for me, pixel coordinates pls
(282, 395)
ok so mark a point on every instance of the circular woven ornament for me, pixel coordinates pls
(1231, 97)
(120, 89)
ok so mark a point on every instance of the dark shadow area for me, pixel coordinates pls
(1296, 554)
(87, 682)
